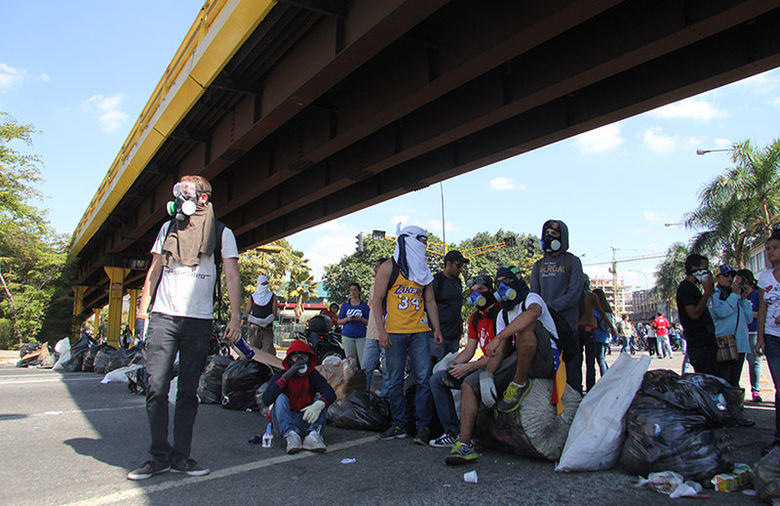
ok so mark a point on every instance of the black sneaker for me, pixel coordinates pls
(422, 436)
(147, 470)
(393, 432)
(190, 468)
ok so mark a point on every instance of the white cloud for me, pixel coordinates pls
(690, 108)
(776, 101)
(651, 216)
(110, 115)
(434, 225)
(765, 82)
(722, 143)
(599, 140)
(10, 77)
(505, 183)
(403, 219)
(338, 240)
(659, 142)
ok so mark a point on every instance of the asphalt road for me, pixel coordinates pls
(64, 438)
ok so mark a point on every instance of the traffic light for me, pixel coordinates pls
(530, 247)
(510, 242)
(360, 245)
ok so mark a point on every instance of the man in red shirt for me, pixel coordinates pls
(482, 329)
(661, 326)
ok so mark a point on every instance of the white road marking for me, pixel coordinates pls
(94, 410)
(125, 495)
(96, 379)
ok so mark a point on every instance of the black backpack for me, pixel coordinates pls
(567, 341)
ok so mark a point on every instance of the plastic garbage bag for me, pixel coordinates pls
(88, 365)
(135, 354)
(240, 381)
(63, 348)
(117, 359)
(210, 383)
(78, 351)
(137, 381)
(663, 436)
(119, 375)
(360, 410)
(671, 484)
(766, 475)
(597, 432)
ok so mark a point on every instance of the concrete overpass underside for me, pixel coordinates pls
(331, 106)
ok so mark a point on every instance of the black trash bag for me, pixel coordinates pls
(28, 348)
(766, 475)
(102, 358)
(669, 428)
(725, 397)
(210, 383)
(135, 355)
(88, 365)
(78, 351)
(360, 410)
(264, 410)
(240, 381)
(139, 379)
(117, 358)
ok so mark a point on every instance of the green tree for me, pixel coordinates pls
(301, 285)
(737, 209)
(355, 268)
(32, 255)
(670, 273)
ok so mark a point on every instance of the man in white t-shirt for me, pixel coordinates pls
(511, 366)
(180, 281)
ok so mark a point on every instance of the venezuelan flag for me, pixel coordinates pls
(559, 382)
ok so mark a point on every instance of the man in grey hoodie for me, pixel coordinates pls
(558, 278)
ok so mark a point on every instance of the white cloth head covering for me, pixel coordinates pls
(410, 255)
(263, 293)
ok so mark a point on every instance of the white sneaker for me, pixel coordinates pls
(293, 442)
(314, 443)
(446, 440)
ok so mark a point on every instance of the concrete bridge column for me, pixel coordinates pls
(78, 307)
(116, 276)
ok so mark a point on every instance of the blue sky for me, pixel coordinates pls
(81, 72)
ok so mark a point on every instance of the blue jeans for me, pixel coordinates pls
(371, 356)
(447, 346)
(664, 347)
(418, 348)
(445, 406)
(286, 420)
(600, 350)
(772, 352)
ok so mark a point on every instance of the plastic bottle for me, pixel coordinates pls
(268, 437)
(244, 348)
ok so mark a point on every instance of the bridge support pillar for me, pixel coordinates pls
(116, 277)
(78, 307)
(134, 294)
(97, 311)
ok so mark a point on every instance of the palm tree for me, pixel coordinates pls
(670, 273)
(301, 284)
(737, 209)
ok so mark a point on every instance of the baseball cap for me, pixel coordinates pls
(455, 256)
(724, 269)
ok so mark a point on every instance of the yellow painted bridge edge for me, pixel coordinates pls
(218, 32)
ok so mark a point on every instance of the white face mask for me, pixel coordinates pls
(701, 275)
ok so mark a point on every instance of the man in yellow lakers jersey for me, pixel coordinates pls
(403, 286)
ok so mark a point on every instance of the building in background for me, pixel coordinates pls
(619, 303)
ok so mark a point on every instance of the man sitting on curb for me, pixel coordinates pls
(482, 329)
(514, 364)
(300, 396)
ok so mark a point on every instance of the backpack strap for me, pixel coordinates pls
(218, 267)
(157, 285)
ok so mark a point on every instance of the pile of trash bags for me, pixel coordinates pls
(361, 410)
(210, 383)
(671, 425)
(240, 382)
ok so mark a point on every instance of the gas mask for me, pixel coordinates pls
(701, 275)
(505, 293)
(186, 202)
(480, 300)
(550, 244)
(304, 368)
